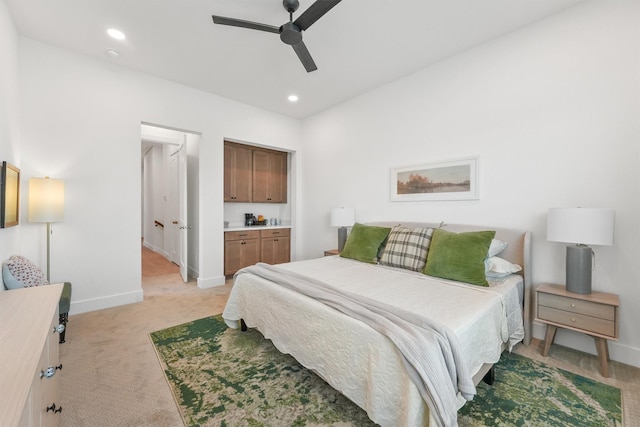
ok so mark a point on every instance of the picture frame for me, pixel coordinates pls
(9, 195)
(455, 179)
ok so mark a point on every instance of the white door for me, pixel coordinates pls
(178, 195)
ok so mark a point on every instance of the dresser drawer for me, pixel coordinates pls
(241, 235)
(578, 321)
(572, 305)
(275, 232)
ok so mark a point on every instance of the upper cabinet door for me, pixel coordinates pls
(269, 176)
(237, 173)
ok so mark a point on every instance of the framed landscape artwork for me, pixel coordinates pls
(448, 180)
(9, 195)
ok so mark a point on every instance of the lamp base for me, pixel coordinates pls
(342, 237)
(579, 262)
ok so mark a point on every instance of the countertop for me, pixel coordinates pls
(256, 227)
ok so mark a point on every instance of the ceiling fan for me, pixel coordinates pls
(291, 32)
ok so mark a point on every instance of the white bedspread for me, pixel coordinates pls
(357, 360)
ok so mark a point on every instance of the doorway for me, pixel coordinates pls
(168, 193)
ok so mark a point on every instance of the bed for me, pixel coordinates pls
(363, 361)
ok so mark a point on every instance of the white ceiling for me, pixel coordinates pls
(357, 46)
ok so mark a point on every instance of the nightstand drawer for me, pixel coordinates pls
(578, 321)
(586, 308)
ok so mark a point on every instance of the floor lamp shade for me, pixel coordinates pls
(46, 200)
(342, 218)
(582, 226)
(46, 204)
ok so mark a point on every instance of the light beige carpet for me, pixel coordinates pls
(112, 377)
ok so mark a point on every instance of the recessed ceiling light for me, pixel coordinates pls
(116, 34)
(293, 98)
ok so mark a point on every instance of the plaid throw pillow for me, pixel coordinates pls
(407, 248)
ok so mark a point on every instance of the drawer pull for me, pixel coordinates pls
(242, 235)
(56, 410)
(50, 371)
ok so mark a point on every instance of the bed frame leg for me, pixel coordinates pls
(243, 326)
(490, 376)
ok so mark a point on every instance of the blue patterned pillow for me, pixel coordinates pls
(407, 248)
(19, 272)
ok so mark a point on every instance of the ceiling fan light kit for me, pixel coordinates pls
(290, 32)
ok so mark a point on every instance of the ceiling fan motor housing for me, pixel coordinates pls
(290, 5)
(290, 33)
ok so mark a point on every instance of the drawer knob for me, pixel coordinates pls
(573, 319)
(48, 373)
(573, 306)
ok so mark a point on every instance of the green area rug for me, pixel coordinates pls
(224, 377)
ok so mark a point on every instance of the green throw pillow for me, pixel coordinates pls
(363, 243)
(460, 256)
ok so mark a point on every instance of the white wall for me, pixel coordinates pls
(153, 183)
(553, 112)
(9, 126)
(81, 122)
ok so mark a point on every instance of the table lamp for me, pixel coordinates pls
(343, 218)
(582, 226)
(46, 204)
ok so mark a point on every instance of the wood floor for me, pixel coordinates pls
(155, 264)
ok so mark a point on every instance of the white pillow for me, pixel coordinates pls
(497, 267)
(496, 247)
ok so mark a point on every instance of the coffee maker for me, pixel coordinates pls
(249, 219)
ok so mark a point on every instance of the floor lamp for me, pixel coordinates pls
(46, 204)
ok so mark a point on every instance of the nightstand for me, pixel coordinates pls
(594, 314)
(332, 252)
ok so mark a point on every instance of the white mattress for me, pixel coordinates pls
(355, 359)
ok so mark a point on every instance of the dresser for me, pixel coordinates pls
(594, 314)
(30, 370)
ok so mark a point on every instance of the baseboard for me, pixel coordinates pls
(109, 301)
(211, 282)
(619, 352)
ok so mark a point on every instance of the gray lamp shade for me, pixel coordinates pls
(582, 226)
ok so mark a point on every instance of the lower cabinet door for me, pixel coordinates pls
(239, 254)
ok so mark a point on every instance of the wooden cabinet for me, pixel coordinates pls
(241, 248)
(30, 368)
(238, 172)
(595, 314)
(275, 245)
(269, 176)
(253, 174)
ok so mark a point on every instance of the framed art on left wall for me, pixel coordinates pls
(9, 195)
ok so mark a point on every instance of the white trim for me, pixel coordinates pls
(109, 301)
(211, 282)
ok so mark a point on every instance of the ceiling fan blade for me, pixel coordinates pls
(245, 24)
(314, 12)
(305, 57)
